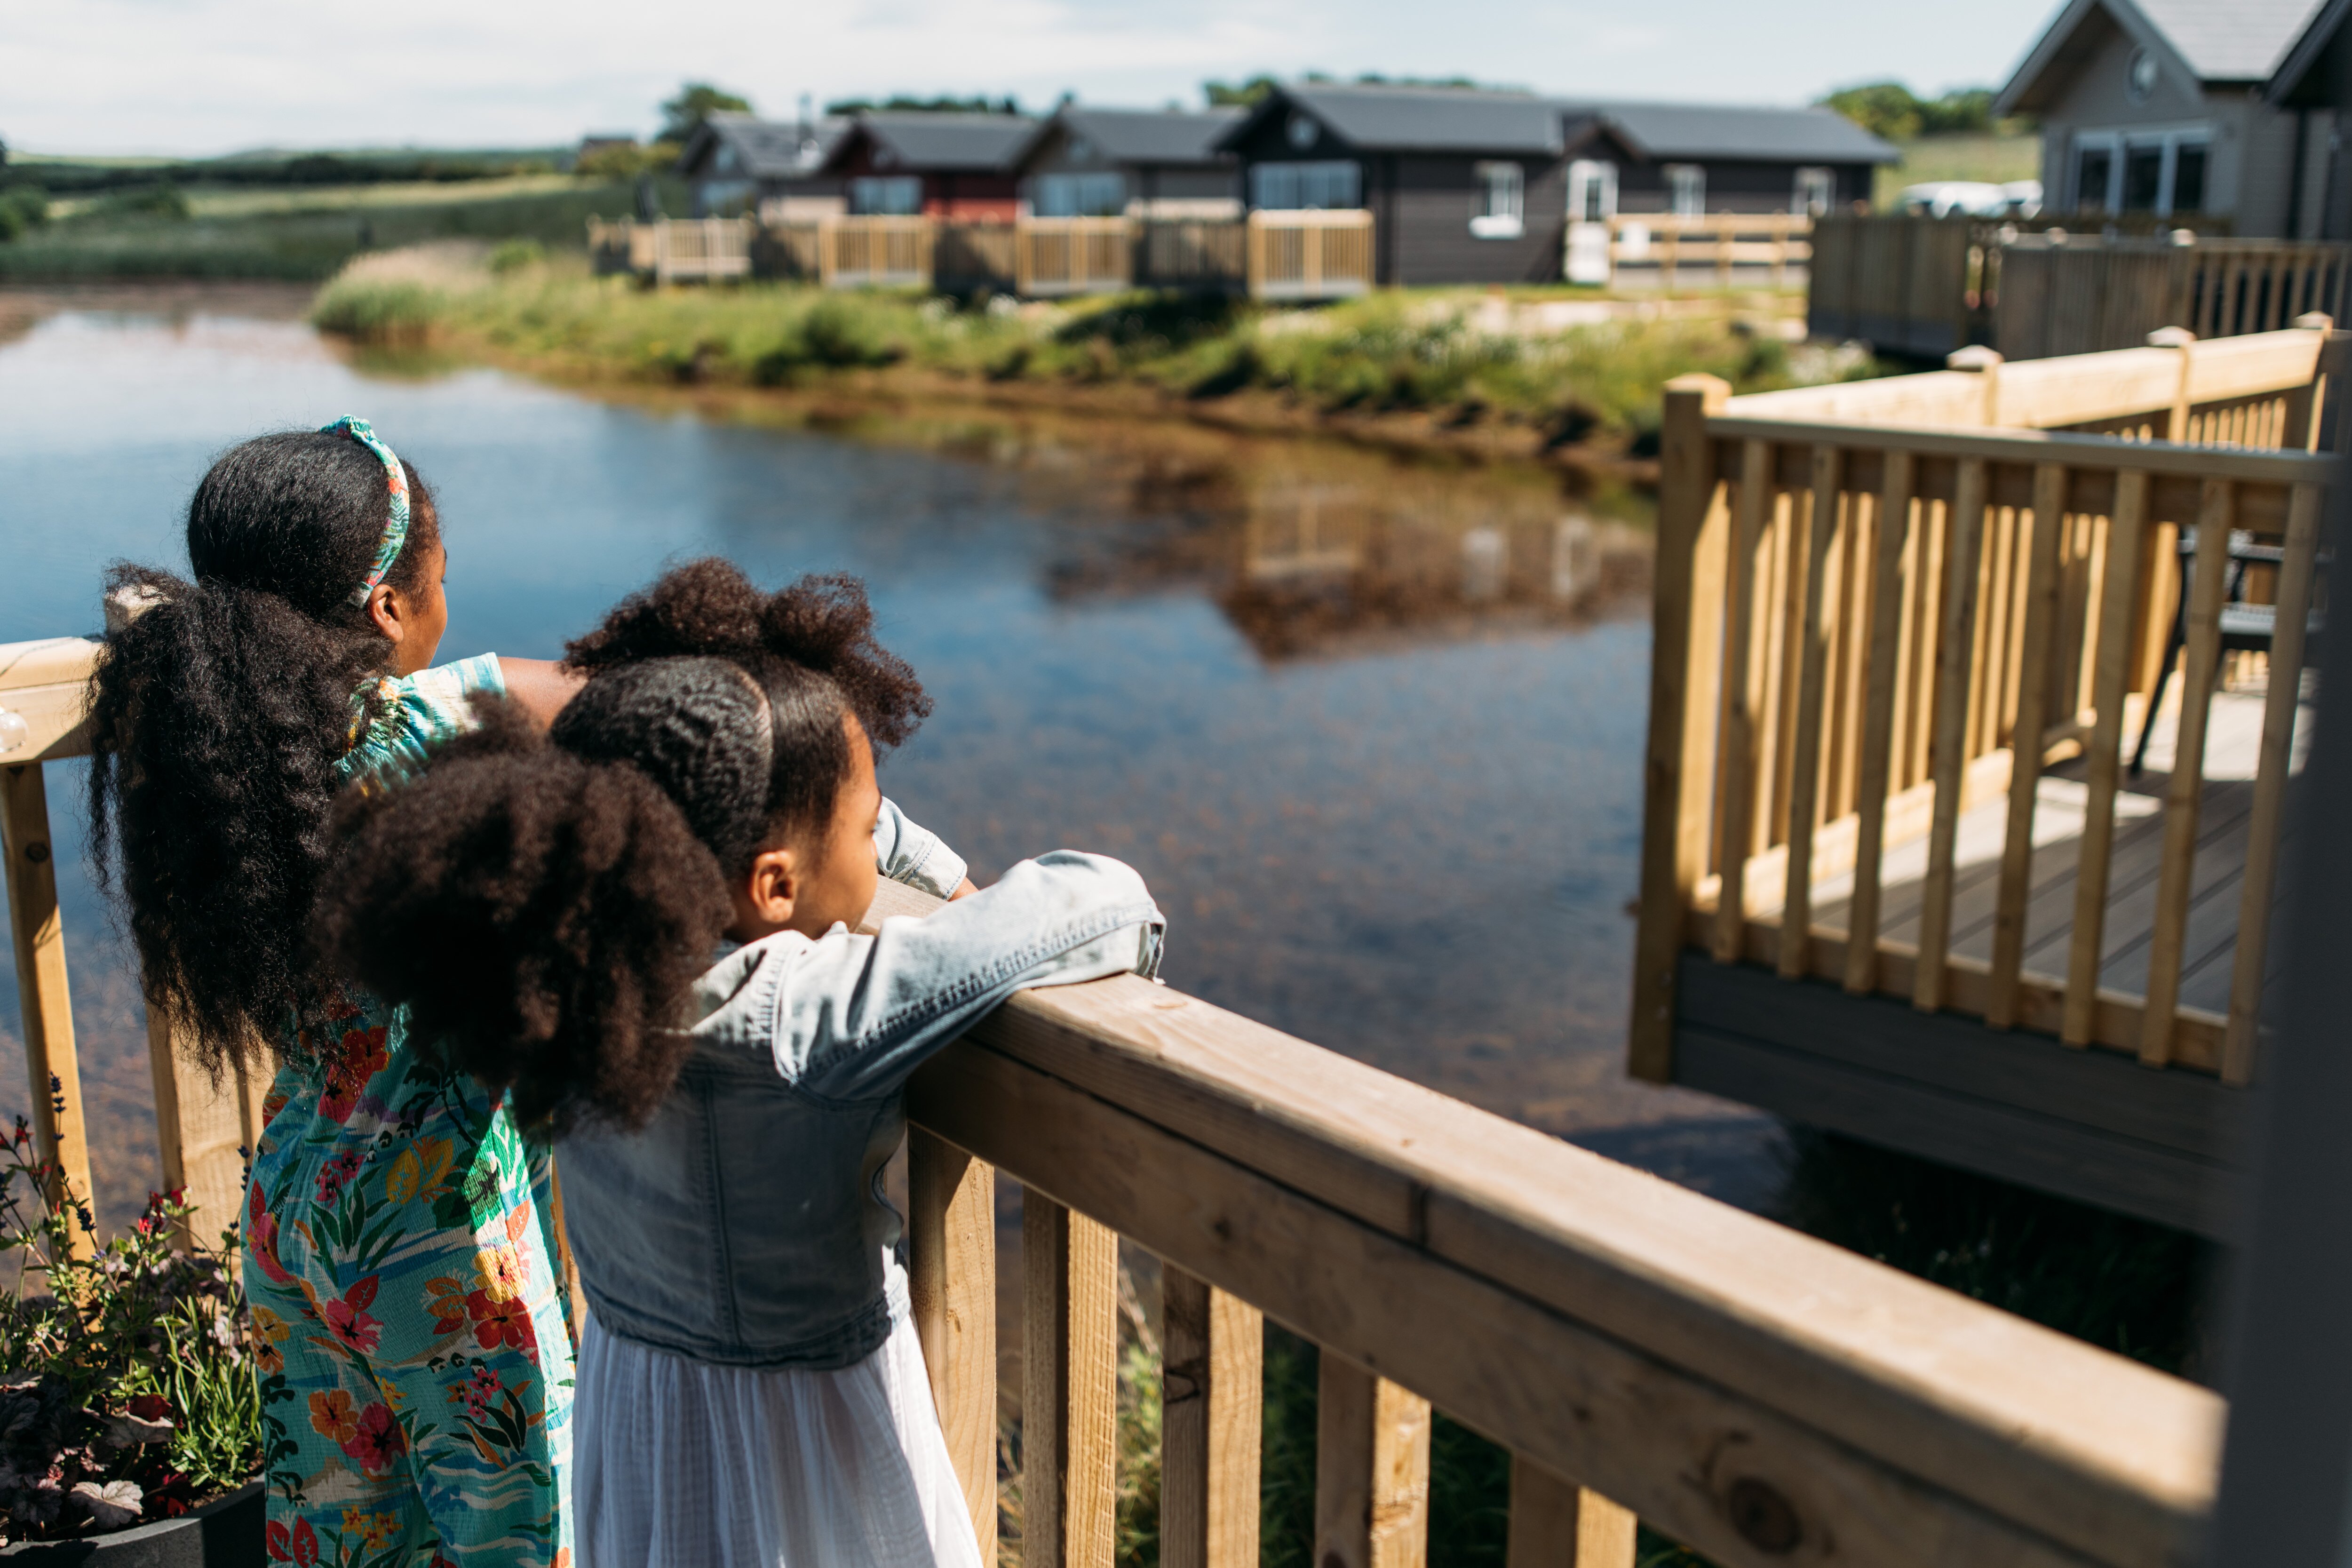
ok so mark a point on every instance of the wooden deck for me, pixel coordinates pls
(1920, 621)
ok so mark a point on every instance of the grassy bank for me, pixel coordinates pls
(1453, 360)
(302, 232)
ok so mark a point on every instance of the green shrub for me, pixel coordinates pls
(514, 255)
(378, 311)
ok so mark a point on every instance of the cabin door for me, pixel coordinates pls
(1591, 204)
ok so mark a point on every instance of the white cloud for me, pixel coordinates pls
(208, 76)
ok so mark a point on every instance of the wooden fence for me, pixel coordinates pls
(2062, 293)
(1907, 285)
(1309, 254)
(1663, 249)
(1880, 604)
(1645, 1352)
(674, 251)
(1054, 256)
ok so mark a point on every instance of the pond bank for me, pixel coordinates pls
(1423, 373)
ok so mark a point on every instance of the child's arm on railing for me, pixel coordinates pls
(855, 1013)
(905, 852)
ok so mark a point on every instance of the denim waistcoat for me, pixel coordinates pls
(746, 1225)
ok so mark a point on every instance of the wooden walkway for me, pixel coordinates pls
(2224, 818)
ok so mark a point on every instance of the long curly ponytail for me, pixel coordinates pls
(218, 716)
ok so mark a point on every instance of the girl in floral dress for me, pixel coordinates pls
(401, 1257)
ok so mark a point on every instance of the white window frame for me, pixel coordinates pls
(2119, 142)
(1586, 178)
(1686, 189)
(1814, 192)
(1499, 201)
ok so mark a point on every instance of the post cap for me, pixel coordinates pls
(2316, 322)
(1975, 357)
(2184, 236)
(2170, 338)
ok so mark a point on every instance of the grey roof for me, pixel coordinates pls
(2212, 40)
(1469, 119)
(1772, 135)
(918, 140)
(1425, 119)
(1153, 135)
(769, 148)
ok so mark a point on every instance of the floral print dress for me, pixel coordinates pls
(403, 1269)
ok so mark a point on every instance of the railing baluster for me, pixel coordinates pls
(1816, 630)
(1069, 1422)
(2039, 631)
(1554, 1524)
(2294, 605)
(1371, 1470)
(203, 1133)
(951, 1282)
(1955, 648)
(2127, 547)
(2183, 791)
(1888, 596)
(1212, 1393)
(1741, 695)
(50, 1067)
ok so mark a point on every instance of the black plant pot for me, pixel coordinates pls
(224, 1533)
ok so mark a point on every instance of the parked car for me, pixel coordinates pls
(1975, 198)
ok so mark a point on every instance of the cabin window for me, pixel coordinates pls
(1685, 190)
(2159, 171)
(886, 195)
(1499, 201)
(1815, 192)
(1327, 187)
(1592, 191)
(1081, 195)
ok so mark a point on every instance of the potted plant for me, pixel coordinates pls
(130, 1397)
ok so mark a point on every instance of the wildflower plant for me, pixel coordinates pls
(128, 1390)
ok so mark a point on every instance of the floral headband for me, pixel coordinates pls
(395, 526)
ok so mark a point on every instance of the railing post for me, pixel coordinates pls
(1069, 1422)
(1685, 649)
(1985, 362)
(1554, 1524)
(50, 1067)
(204, 1131)
(1213, 1394)
(2183, 342)
(1371, 1470)
(951, 1280)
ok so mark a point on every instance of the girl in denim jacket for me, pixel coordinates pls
(750, 1387)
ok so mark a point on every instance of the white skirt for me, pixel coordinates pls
(683, 1465)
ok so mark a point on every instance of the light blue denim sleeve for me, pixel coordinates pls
(855, 1015)
(916, 856)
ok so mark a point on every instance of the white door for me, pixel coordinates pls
(1591, 203)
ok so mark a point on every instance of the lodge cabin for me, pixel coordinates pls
(1469, 185)
(737, 163)
(2227, 110)
(955, 166)
(1149, 163)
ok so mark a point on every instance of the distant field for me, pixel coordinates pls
(307, 232)
(1996, 160)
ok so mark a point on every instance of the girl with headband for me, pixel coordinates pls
(640, 922)
(400, 1258)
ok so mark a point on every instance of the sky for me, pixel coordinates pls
(203, 76)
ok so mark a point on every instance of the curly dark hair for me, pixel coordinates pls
(543, 905)
(217, 718)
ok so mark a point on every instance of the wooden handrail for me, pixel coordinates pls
(1741, 1386)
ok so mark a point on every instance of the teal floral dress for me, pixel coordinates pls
(404, 1269)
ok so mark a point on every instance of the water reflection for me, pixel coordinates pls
(1371, 729)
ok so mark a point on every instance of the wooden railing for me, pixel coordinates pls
(1645, 1352)
(1055, 256)
(1881, 603)
(673, 249)
(1309, 255)
(1662, 245)
(1908, 285)
(2064, 293)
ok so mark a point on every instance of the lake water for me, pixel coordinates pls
(1371, 729)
